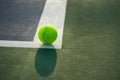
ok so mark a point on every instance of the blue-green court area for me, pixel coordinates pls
(90, 51)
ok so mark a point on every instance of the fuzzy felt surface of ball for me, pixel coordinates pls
(47, 34)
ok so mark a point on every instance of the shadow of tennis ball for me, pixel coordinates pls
(45, 61)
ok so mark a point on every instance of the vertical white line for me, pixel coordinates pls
(54, 14)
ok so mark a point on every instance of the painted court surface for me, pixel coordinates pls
(19, 19)
(90, 48)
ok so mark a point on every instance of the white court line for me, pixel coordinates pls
(26, 44)
(54, 14)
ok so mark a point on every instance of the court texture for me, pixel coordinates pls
(87, 46)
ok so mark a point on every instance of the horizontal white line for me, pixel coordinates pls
(26, 44)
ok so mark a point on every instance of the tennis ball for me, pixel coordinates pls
(47, 34)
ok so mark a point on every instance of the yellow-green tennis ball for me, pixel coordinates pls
(47, 34)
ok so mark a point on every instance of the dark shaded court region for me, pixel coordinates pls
(19, 19)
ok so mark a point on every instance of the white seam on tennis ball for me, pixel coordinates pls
(44, 34)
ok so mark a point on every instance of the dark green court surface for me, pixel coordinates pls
(91, 47)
